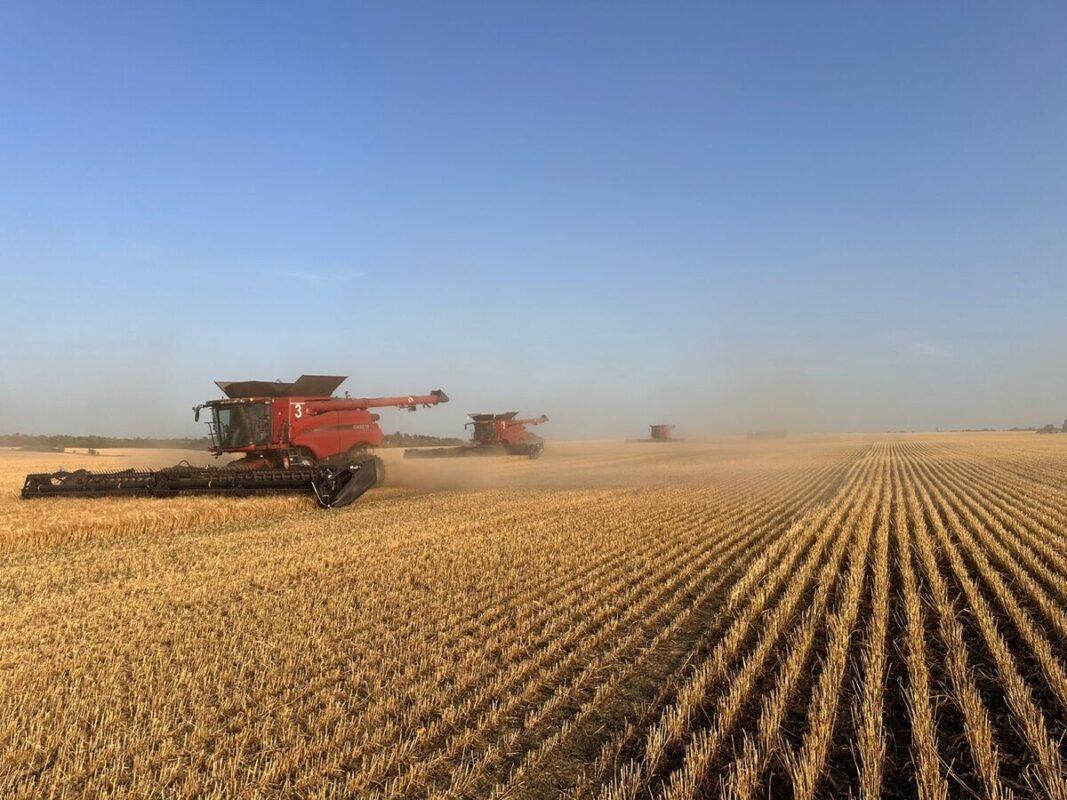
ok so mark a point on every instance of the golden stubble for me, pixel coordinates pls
(614, 620)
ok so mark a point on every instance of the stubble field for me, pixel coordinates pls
(851, 616)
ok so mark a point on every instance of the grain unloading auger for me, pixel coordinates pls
(491, 434)
(293, 438)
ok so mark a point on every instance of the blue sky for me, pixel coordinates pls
(821, 216)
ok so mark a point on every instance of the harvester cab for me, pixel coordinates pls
(238, 425)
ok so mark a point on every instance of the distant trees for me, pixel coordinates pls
(58, 442)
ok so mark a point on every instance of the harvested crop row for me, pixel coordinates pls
(864, 616)
(923, 503)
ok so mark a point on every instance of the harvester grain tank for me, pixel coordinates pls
(292, 438)
(491, 434)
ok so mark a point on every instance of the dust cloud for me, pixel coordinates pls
(147, 390)
(592, 464)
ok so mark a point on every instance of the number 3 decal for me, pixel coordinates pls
(298, 410)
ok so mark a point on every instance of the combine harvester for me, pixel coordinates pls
(294, 438)
(492, 435)
(659, 433)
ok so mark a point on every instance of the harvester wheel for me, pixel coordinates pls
(362, 453)
(379, 465)
(537, 450)
(361, 457)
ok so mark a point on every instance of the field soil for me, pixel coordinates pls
(853, 616)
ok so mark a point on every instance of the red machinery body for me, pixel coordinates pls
(279, 425)
(492, 434)
(498, 428)
(659, 433)
(296, 438)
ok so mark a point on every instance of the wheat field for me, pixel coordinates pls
(860, 616)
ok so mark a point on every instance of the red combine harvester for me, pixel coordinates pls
(492, 435)
(293, 438)
(281, 425)
(659, 433)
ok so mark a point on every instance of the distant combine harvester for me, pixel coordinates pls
(659, 433)
(1050, 428)
(766, 435)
